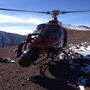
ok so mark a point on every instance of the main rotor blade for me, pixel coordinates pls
(64, 12)
(5, 9)
(47, 12)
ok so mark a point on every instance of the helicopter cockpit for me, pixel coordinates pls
(49, 31)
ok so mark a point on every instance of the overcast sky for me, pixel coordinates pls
(24, 23)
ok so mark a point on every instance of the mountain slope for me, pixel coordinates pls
(78, 36)
(10, 39)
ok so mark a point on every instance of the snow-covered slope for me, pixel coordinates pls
(77, 27)
(83, 50)
(9, 39)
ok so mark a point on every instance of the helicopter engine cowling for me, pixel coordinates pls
(28, 57)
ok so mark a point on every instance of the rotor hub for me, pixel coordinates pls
(55, 12)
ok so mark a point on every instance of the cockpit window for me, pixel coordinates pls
(40, 28)
(51, 32)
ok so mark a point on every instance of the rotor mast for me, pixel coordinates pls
(54, 14)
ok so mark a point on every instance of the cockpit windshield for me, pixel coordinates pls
(51, 32)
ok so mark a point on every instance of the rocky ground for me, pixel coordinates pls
(14, 77)
(76, 36)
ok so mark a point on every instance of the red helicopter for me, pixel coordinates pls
(48, 38)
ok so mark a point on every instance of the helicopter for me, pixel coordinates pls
(49, 38)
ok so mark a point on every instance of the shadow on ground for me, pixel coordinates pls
(51, 84)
